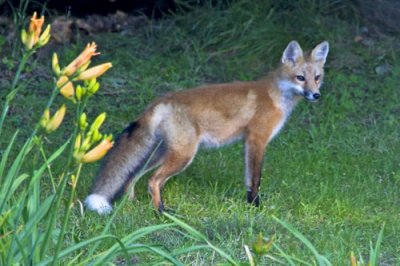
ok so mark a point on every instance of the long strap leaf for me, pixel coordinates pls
(12, 173)
(6, 153)
(200, 236)
(321, 260)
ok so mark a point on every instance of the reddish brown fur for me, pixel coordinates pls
(215, 115)
(254, 119)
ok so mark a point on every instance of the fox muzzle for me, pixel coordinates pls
(311, 96)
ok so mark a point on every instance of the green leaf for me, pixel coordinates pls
(322, 261)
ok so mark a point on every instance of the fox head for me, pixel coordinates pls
(303, 73)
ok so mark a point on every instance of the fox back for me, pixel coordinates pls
(169, 132)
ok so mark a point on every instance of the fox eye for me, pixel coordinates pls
(300, 78)
(317, 77)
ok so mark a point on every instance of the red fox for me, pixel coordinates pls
(168, 134)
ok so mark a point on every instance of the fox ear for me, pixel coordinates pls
(292, 53)
(320, 52)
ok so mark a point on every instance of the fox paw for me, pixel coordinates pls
(98, 203)
(253, 199)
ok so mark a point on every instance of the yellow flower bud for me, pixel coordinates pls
(79, 92)
(55, 65)
(90, 82)
(98, 122)
(73, 181)
(30, 41)
(24, 36)
(98, 152)
(86, 143)
(77, 143)
(82, 121)
(56, 120)
(66, 87)
(92, 90)
(96, 136)
(45, 118)
(94, 72)
(45, 37)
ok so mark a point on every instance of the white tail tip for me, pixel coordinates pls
(98, 203)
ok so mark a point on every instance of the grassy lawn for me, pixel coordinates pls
(333, 173)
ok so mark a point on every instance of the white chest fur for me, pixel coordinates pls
(286, 105)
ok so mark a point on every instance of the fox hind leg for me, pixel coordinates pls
(155, 160)
(174, 162)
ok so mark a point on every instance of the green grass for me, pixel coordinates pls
(332, 173)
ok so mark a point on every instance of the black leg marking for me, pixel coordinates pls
(253, 199)
(161, 207)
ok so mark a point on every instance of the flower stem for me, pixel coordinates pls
(79, 110)
(68, 213)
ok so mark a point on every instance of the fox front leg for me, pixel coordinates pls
(254, 154)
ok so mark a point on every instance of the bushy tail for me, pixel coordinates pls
(124, 162)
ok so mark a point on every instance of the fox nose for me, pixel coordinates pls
(311, 96)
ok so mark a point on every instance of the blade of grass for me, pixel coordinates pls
(136, 248)
(374, 252)
(5, 155)
(275, 259)
(34, 195)
(76, 247)
(56, 201)
(107, 227)
(131, 238)
(38, 214)
(189, 249)
(285, 255)
(249, 256)
(320, 259)
(200, 236)
(25, 236)
(17, 214)
(12, 173)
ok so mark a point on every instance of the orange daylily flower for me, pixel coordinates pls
(66, 87)
(33, 36)
(82, 60)
(97, 152)
(35, 27)
(94, 72)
